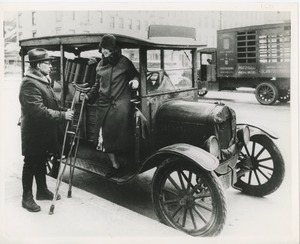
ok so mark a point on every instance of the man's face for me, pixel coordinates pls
(106, 52)
(45, 67)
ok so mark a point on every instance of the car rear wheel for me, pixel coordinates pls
(189, 198)
(266, 93)
(266, 167)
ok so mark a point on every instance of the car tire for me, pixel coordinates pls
(188, 198)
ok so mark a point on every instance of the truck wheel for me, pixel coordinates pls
(284, 96)
(266, 93)
(189, 198)
(266, 167)
(202, 93)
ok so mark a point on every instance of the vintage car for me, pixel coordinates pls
(198, 149)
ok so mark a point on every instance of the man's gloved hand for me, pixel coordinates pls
(69, 114)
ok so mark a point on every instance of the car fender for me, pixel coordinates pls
(194, 154)
(254, 130)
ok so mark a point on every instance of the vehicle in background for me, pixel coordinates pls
(254, 56)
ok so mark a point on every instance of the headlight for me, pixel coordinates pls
(243, 134)
(212, 146)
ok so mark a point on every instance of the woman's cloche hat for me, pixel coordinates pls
(108, 41)
(38, 55)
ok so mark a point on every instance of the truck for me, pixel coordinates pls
(254, 57)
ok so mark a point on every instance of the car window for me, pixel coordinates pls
(172, 72)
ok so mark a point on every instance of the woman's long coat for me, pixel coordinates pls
(41, 115)
(114, 110)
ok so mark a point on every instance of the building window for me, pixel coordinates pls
(33, 18)
(112, 22)
(121, 23)
(138, 24)
(58, 30)
(34, 34)
(130, 24)
(73, 15)
(58, 16)
(88, 16)
(146, 25)
(100, 16)
(19, 20)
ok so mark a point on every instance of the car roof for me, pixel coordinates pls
(85, 42)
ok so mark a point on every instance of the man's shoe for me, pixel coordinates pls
(29, 204)
(46, 195)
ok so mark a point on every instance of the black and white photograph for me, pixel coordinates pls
(149, 122)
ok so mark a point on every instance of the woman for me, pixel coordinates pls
(115, 77)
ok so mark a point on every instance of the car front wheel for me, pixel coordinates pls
(189, 198)
(266, 167)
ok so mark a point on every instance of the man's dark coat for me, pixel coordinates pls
(41, 115)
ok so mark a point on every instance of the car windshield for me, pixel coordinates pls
(168, 70)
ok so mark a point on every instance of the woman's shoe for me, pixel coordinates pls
(113, 172)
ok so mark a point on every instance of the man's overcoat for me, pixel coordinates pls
(114, 110)
(41, 115)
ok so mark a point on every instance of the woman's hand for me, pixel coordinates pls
(134, 84)
(83, 96)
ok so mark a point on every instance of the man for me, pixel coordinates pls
(40, 121)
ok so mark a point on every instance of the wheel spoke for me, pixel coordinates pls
(184, 217)
(200, 215)
(167, 202)
(263, 174)
(266, 167)
(202, 195)
(176, 211)
(249, 178)
(242, 154)
(193, 219)
(174, 184)
(264, 159)
(171, 192)
(189, 181)
(204, 206)
(247, 151)
(181, 180)
(253, 147)
(260, 152)
(257, 177)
